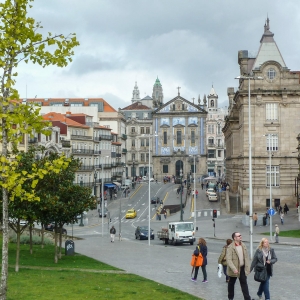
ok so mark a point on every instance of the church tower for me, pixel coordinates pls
(212, 99)
(135, 94)
(157, 94)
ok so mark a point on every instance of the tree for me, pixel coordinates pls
(20, 40)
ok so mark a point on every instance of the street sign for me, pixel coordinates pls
(271, 211)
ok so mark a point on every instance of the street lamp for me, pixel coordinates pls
(181, 189)
(81, 217)
(194, 192)
(270, 179)
(95, 187)
(149, 195)
(250, 160)
(102, 193)
(123, 177)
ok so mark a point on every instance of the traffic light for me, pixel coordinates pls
(215, 213)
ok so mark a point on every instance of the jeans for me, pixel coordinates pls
(243, 283)
(203, 268)
(264, 288)
(225, 272)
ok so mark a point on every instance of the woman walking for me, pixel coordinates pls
(222, 258)
(264, 256)
(201, 248)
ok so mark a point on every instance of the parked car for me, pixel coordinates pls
(209, 190)
(141, 233)
(50, 227)
(105, 211)
(212, 197)
(130, 214)
(155, 200)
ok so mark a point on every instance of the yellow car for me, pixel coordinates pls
(131, 214)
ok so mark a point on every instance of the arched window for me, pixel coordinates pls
(212, 104)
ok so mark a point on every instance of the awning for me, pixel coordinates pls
(109, 185)
(117, 183)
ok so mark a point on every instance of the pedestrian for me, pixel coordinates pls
(222, 259)
(197, 193)
(202, 185)
(280, 209)
(285, 209)
(156, 181)
(255, 219)
(112, 234)
(165, 214)
(281, 218)
(264, 256)
(238, 266)
(267, 217)
(202, 248)
(276, 233)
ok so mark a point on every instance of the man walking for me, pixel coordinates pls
(255, 219)
(238, 266)
(112, 234)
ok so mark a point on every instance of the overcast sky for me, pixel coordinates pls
(188, 43)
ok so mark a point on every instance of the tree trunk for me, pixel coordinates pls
(60, 242)
(55, 242)
(30, 238)
(43, 231)
(18, 248)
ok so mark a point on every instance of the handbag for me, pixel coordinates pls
(260, 274)
(197, 261)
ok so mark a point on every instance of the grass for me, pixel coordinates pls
(287, 233)
(60, 282)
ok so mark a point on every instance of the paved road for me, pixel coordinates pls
(169, 265)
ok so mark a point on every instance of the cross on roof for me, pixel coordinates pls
(178, 90)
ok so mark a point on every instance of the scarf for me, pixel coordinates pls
(266, 254)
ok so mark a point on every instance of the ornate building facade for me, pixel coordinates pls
(275, 104)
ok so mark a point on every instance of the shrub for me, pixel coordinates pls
(24, 239)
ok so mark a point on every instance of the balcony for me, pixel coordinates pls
(83, 151)
(118, 155)
(97, 152)
(81, 137)
(32, 140)
(105, 137)
(124, 136)
(86, 168)
(120, 164)
(211, 145)
(124, 150)
(65, 144)
(116, 174)
(220, 146)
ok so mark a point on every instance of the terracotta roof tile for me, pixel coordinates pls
(136, 106)
(53, 116)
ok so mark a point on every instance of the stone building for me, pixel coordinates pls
(275, 102)
(179, 129)
(216, 149)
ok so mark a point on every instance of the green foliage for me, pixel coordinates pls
(24, 239)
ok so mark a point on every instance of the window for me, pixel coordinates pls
(165, 138)
(211, 153)
(133, 115)
(142, 142)
(271, 111)
(182, 106)
(272, 142)
(145, 115)
(210, 141)
(147, 157)
(210, 129)
(219, 129)
(142, 156)
(165, 169)
(147, 142)
(148, 130)
(76, 104)
(274, 176)
(193, 137)
(142, 130)
(193, 169)
(219, 153)
(133, 156)
(133, 143)
(132, 129)
(212, 104)
(178, 137)
(271, 73)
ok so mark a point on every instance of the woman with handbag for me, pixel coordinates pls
(201, 249)
(222, 258)
(262, 263)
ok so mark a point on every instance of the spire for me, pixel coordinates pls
(199, 101)
(157, 94)
(135, 94)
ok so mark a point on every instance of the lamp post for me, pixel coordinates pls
(133, 174)
(81, 217)
(250, 160)
(195, 219)
(181, 189)
(149, 195)
(102, 200)
(120, 211)
(95, 187)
